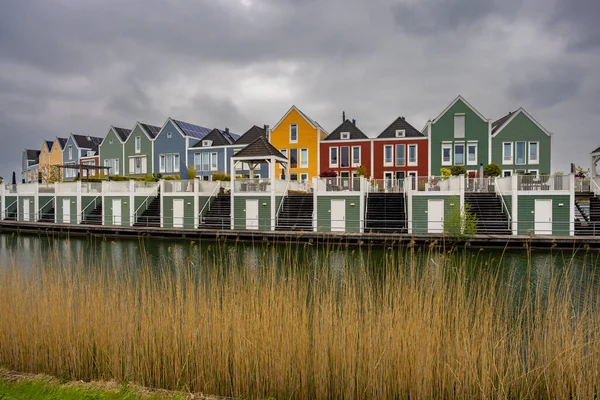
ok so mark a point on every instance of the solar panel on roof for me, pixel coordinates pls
(193, 130)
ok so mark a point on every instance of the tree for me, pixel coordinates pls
(361, 171)
(492, 171)
(458, 170)
(581, 173)
(461, 222)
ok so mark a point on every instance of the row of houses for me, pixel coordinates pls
(459, 135)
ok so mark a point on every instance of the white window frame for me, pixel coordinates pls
(337, 157)
(504, 173)
(174, 157)
(356, 164)
(457, 131)
(205, 161)
(512, 153)
(524, 155)
(176, 162)
(214, 157)
(472, 144)
(391, 162)
(302, 163)
(537, 172)
(403, 146)
(169, 135)
(304, 177)
(344, 135)
(400, 133)
(416, 160)
(138, 144)
(349, 156)
(70, 152)
(206, 143)
(464, 152)
(162, 163)
(447, 146)
(297, 158)
(294, 140)
(198, 161)
(537, 160)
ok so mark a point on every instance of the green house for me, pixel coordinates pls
(112, 151)
(521, 145)
(139, 150)
(460, 135)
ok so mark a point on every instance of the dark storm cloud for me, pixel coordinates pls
(547, 88)
(578, 21)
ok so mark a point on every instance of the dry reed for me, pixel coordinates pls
(412, 324)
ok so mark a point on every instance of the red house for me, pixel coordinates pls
(92, 158)
(345, 149)
(400, 151)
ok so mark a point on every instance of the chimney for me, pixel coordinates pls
(226, 130)
(343, 116)
(354, 122)
(402, 118)
(266, 128)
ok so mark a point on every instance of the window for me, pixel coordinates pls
(176, 162)
(459, 154)
(169, 163)
(471, 153)
(345, 157)
(533, 153)
(507, 153)
(113, 164)
(293, 177)
(534, 172)
(446, 153)
(333, 156)
(356, 156)
(137, 165)
(294, 158)
(138, 144)
(303, 177)
(388, 157)
(400, 155)
(303, 158)
(205, 161)
(345, 135)
(162, 163)
(412, 154)
(293, 133)
(198, 161)
(520, 153)
(400, 133)
(520, 171)
(110, 141)
(459, 126)
(206, 143)
(169, 135)
(214, 162)
(70, 152)
(507, 173)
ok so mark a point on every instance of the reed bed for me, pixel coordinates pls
(418, 324)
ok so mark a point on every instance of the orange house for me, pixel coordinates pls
(44, 169)
(298, 137)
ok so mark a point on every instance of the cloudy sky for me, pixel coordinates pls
(82, 65)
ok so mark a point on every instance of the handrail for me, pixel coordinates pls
(155, 190)
(499, 191)
(11, 204)
(210, 197)
(596, 185)
(89, 204)
(48, 202)
(281, 203)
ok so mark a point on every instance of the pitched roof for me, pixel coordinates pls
(96, 150)
(122, 133)
(462, 99)
(499, 122)
(151, 130)
(191, 130)
(32, 154)
(311, 121)
(62, 141)
(596, 151)
(251, 135)
(259, 148)
(217, 137)
(346, 126)
(499, 125)
(86, 142)
(400, 123)
(49, 144)
(231, 137)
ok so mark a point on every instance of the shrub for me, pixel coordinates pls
(361, 171)
(171, 178)
(581, 173)
(445, 172)
(458, 170)
(461, 222)
(221, 176)
(117, 178)
(328, 174)
(492, 170)
(191, 173)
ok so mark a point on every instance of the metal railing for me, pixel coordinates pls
(260, 185)
(437, 183)
(479, 185)
(281, 202)
(386, 185)
(183, 186)
(338, 184)
(145, 203)
(7, 208)
(208, 202)
(504, 205)
(543, 182)
(40, 210)
(94, 201)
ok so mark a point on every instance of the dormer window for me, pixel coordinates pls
(169, 135)
(345, 135)
(207, 143)
(400, 133)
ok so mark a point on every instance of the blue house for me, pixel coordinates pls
(76, 147)
(248, 137)
(212, 153)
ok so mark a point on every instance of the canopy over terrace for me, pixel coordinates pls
(595, 161)
(256, 153)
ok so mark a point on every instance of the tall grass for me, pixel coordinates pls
(412, 324)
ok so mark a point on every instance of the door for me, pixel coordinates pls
(66, 209)
(414, 180)
(116, 211)
(338, 215)
(252, 214)
(388, 178)
(26, 205)
(400, 179)
(178, 213)
(345, 180)
(435, 216)
(543, 217)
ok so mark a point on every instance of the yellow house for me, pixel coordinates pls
(298, 137)
(56, 157)
(44, 169)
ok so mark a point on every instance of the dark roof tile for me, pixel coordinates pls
(122, 133)
(192, 130)
(49, 144)
(347, 126)
(62, 141)
(32, 154)
(400, 124)
(86, 142)
(217, 137)
(251, 135)
(151, 130)
(260, 148)
(597, 150)
(499, 122)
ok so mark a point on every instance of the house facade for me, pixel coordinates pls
(112, 150)
(346, 149)
(139, 150)
(75, 148)
(90, 158)
(212, 153)
(400, 151)
(460, 135)
(44, 161)
(298, 138)
(521, 145)
(30, 160)
(56, 158)
(247, 138)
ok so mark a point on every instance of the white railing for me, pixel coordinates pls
(543, 182)
(66, 187)
(212, 194)
(438, 184)
(281, 203)
(386, 185)
(208, 186)
(9, 206)
(596, 186)
(261, 185)
(94, 201)
(46, 188)
(91, 187)
(27, 188)
(338, 184)
(10, 189)
(42, 207)
(498, 189)
(146, 202)
(479, 185)
(504, 184)
(182, 186)
(305, 186)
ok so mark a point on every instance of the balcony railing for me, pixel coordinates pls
(543, 182)
(479, 185)
(386, 185)
(437, 183)
(338, 184)
(261, 185)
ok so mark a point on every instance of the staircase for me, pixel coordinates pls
(94, 217)
(296, 213)
(151, 215)
(219, 214)
(491, 219)
(385, 213)
(587, 215)
(47, 216)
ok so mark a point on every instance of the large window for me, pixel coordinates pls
(214, 162)
(356, 156)
(388, 156)
(205, 161)
(70, 152)
(446, 153)
(471, 153)
(507, 153)
(113, 164)
(400, 155)
(168, 163)
(197, 161)
(520, 153)
(459, 154)
(138, 144)
(293, 133)
(345, 157)
(137, 165)
(459, 126)
(412, 154)
(293, 158)
(333, 156)
(303, 158)
(534, 157)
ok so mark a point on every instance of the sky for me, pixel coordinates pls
(80, 66)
